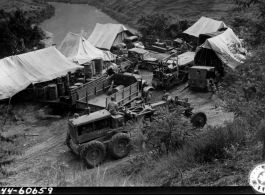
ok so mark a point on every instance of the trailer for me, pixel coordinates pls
(94, 94)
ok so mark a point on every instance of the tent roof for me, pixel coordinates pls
(205, 25)
(18, 72)
(226, 46)
(76, 48)
(104, 35)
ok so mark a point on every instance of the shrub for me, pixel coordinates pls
(217, 140)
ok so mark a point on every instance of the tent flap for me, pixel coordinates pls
(18, 72)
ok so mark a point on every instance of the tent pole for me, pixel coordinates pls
(7, 111)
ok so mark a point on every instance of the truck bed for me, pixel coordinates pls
(99, 100)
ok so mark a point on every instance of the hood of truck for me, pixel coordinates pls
(151, 59)
(90, 118)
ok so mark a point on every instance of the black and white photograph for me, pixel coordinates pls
(166, 96)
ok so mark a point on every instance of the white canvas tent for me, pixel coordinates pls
(104, 36)
(205, 25)
(77, 49)
(226, 46)
(18, 72)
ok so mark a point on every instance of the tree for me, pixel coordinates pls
(18, 34)
(254, 27)
(161, 26)
(154, 25)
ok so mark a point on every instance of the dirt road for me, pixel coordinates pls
(45, 152)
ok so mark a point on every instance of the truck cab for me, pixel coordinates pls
(202, 77)
(88, 136)
(133, 42)
(143, 57)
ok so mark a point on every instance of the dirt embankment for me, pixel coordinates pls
(43, 147)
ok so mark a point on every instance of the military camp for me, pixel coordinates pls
(157, 95)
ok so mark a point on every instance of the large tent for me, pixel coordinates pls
(205, 25)
(18, 72)
(77, 49)
(226, 46)
(104, 36)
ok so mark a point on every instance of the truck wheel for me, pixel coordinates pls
(93, 153)
(119, 145)
(199, 119)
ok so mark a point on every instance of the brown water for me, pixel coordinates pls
(74, 18)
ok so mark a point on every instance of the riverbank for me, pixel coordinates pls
(129, 12)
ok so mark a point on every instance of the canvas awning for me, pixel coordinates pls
(18, 72)
(226, 46)
(205, 25)
(76, 48)
(104, 36)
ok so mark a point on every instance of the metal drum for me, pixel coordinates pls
(78, 84)
(88, 68)
(61, 89)
(53, 94)
(72, 88)
(98, 65)
(80, 80)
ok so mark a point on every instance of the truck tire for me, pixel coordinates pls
(93, 153)
(198, 119)
(119, 145)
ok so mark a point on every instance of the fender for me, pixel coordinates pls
(147, 88)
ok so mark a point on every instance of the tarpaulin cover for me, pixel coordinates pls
(226, 46)
(104, 36)
(205, 25)
(76, 48)
(18, 72)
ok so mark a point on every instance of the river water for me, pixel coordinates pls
(73, 18)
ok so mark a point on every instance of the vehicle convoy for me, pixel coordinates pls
(92, 135)
(203, 77)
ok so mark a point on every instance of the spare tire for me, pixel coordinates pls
(199, 119)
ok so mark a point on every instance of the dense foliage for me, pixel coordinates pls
(243, 89)
(18, 34)
(161, 26)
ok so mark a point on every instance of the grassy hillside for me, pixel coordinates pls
(129, 11)
(36, 9)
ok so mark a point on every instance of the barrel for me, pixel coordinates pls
(61, 89)
(73, 87)
(93, 68)
(78, 84)
(98, 65)
(80, 80)
(88, 68)
(53, 94)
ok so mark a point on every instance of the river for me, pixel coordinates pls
(73, 18)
